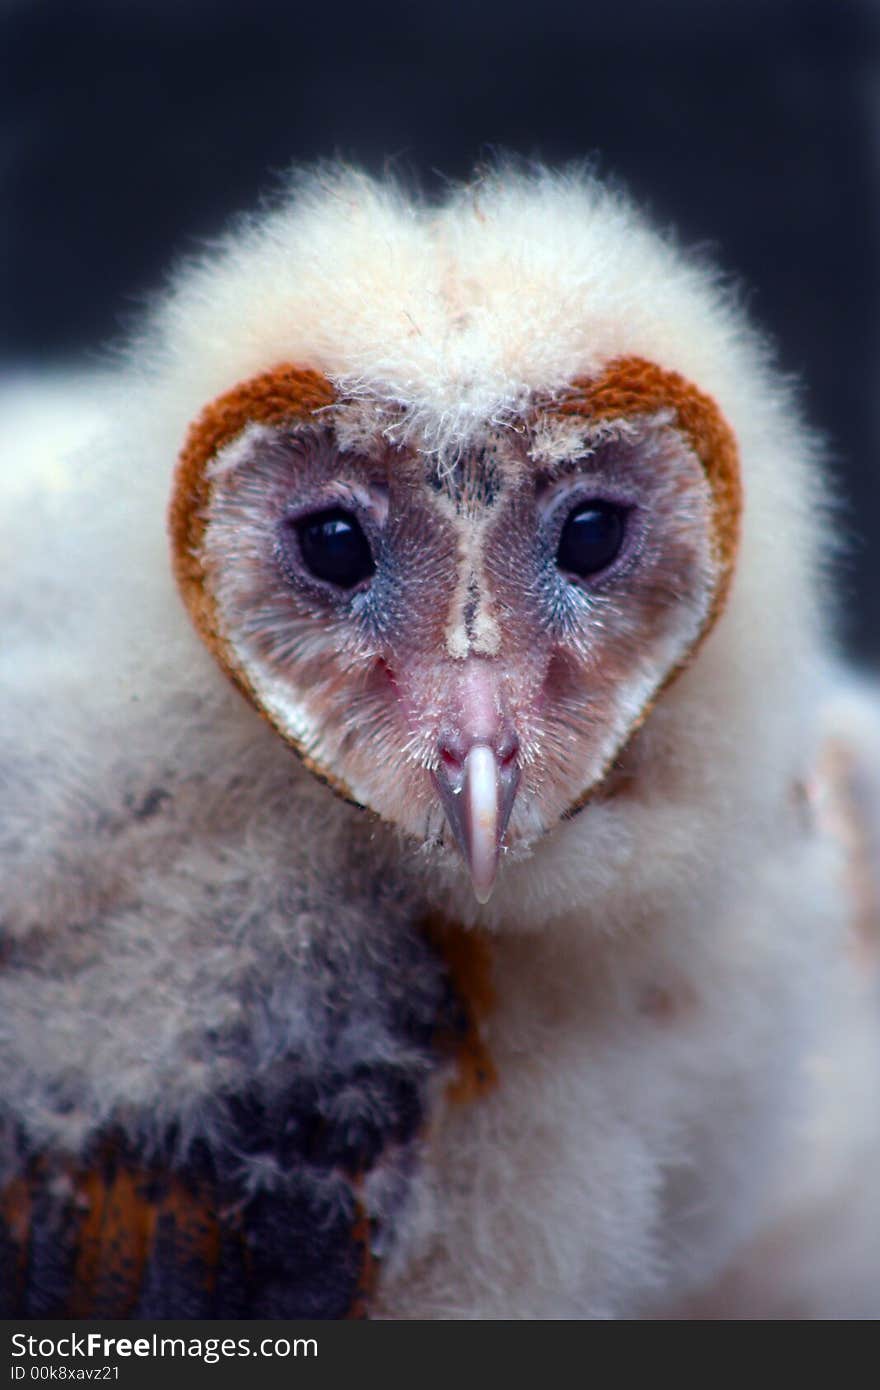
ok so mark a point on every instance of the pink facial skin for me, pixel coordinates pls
(469, 690)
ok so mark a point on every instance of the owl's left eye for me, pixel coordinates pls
(334, 548)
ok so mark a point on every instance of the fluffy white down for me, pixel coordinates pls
(679, 1015)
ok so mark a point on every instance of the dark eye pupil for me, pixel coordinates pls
(335, 549)
(591, 538)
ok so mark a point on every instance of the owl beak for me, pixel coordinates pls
(477, 794)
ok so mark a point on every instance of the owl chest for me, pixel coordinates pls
(576, 1161)
(543, 1166)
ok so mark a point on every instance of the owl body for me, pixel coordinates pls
(554, 993)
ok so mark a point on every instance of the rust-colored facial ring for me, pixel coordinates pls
(629, 388)
(632, 388)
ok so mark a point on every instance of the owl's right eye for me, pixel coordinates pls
(334, 548)
(591, 538)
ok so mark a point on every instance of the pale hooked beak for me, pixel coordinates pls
(477, 794)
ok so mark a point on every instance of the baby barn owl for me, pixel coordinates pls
(441, 885)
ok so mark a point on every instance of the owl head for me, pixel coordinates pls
(456, 516)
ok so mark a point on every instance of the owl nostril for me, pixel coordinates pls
(450, 761)
(453, 750)
(506, 749)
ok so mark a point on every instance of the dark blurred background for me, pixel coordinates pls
(131, 128)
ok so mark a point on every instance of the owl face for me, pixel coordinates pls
(462, 645)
